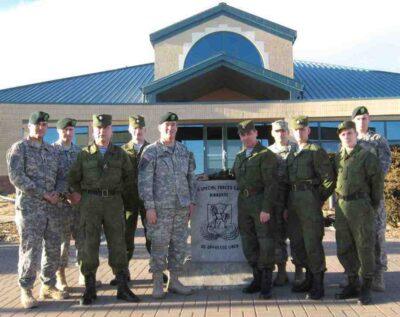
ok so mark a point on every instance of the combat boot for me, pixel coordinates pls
(158, 288)
(175, 286)
(365, 293)
(266, 284)
(351, 290)
(89, 295)
(114, 281)
(298, 275)
(123, 291)
(304, 286)
(27, 299)
(281, 277)
(255, 285)
(378, 282)
(317, 290)
(61, 283)
(50, 291)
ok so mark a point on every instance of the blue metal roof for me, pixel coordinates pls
(123, 86)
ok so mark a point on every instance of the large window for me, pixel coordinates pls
(229, 43)
(81, 136)
(120, 134)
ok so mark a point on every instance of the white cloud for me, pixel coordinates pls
(49, 39)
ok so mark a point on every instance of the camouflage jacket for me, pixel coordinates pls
(133, 202)
(311, 165)
(258, 172)
(33, 169)
(359, 172)
(92, 171)
(379, 146)
(166, 175)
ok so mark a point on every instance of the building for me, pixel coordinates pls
(213, 69)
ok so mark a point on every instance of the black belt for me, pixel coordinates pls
(103, 192)
(353, 196)
(247, 192)
(301, 186)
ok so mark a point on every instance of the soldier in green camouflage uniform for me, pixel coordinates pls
(101, 173)
(378, 145)
(312, 181)
(33, 168)
(255, 169)
(282, 147)
(167, 187)
(359, 191)
(68, 153)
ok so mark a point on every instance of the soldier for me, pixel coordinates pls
(359, 191)
(33, 168)
(312, 181)
(379, 145)
(68, 153)
(167, 187)
(100, 174)
(282, 147)
(255, 170)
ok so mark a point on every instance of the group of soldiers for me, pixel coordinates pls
(64, 192)
(282, 192)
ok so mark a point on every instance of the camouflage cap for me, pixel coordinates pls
(102, 120)
(137, 121)
(66, 122)
(246, 126)
(299, 122)
(345, 125)
(38, 116)
(169, 116)
(280, 125)
(359, 111)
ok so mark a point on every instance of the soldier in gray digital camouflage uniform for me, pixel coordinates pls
(33, 168)
(282, 148)
(378, 145)
(167, 188)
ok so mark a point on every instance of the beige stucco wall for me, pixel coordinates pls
(277, 53)
(12, 116)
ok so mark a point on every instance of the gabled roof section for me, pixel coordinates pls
(214, 62)
(224, 9)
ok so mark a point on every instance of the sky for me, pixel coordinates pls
(50, 39)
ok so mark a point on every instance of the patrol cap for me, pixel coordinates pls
(102, 120)
(299, 122)
(246, 126)
(359, 111)
(280, 125)
(137, 121)
(38, 116)
(66, 122)
(345, 125)
(167, 117)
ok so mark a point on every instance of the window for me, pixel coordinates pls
(81, 136)
(121, 134)
(229, 43)
(192, 137)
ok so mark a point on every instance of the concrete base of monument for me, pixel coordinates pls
(216, 275)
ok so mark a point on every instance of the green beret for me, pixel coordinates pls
(280, 125)
(169, 116)
(246, 126)
(299, 122)
(137, 121)
(66, 122)
(359, 111)
(345, 125)
(102, 120)
(38, 116)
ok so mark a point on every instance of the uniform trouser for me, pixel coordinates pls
(97, 212)
(168, 239)
(355, 239)
(39, 230)
(306, 230)
(258, 239)
(69, 229)
(380, 241)
(131, 221)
